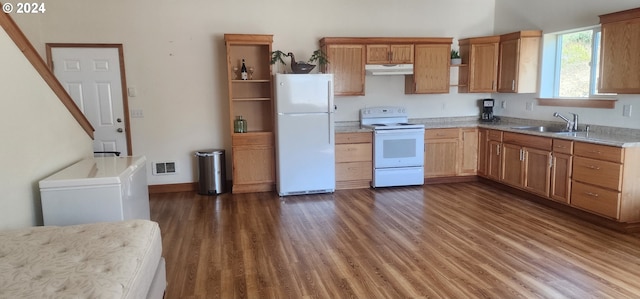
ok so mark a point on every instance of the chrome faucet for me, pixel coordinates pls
(572, 125)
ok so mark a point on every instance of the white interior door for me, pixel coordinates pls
(92, 78)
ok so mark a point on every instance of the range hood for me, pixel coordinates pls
(388, 69)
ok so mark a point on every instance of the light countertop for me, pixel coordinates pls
(619, 137)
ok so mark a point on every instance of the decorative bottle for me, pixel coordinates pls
(240, 125)
(243, 71)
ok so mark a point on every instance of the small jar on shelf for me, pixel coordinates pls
(240, 125)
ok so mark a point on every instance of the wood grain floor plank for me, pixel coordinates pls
(461, 240)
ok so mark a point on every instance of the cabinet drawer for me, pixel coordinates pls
(252, 139)
(354, 138)
(353, 152)
(600, 173)
(351, 171)
(441, 133)
(494, 135)
(530, 141)
(562, 146)
(597, 151)
(598, 200)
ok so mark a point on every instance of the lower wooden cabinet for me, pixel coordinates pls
(441, 152)
(603, 184)
(354, 160)
(561, 170)
(468, 151)
(492, 159)
(526, 162)
(450, 152)
(596, 178)
(253, 162)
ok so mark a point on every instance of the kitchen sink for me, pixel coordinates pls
(542, 129)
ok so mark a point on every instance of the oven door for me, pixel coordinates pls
(398, 148)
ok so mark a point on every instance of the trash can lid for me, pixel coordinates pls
(209, 153)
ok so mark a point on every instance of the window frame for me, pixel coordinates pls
(550, 73)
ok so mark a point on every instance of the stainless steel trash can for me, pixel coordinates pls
(212, 176)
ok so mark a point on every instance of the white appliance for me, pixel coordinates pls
(305, 153)
(101, 189)
(388, 69)
(398, 147)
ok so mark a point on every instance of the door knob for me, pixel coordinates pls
(119, 120)
(120, 130)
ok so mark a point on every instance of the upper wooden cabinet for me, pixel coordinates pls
(389, 54)
(348, 55)
(479, 69)
(519, 59)
(430, 69)
(346, 63)
(619, 59)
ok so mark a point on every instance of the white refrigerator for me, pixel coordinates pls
(305, 142)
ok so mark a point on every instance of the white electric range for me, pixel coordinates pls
(398, 146)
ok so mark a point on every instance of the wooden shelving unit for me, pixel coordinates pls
(253, 153)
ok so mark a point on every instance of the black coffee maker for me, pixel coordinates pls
(487, 110)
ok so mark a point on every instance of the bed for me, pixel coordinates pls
(97, 260)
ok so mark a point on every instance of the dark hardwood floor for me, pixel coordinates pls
(465, 240)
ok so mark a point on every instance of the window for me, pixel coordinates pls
(570, 64)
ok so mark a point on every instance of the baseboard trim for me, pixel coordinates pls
(451, 179)
(171, 188)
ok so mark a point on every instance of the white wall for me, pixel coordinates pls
(38, 137)
(175, 56)
(552, 16)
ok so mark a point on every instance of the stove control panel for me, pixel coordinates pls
(383, 111)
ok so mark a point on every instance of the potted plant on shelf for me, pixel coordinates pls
(455, 57)
(300, 67)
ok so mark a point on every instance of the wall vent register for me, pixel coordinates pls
(164, 168)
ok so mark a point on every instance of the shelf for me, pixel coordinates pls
(458, 65)
(250, 81)
(252, 99)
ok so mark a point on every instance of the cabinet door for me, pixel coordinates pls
(483, 68)
(431, 69)
(378, 54)
(512, 165)
(619, 61)
(253, 165)
(508, 65)
(440, 157)
(560, 189)
(346, 63)
(401, 54)
(537, 171)
(494, 160)
(469, 152)
(482, 152)
(385, 54)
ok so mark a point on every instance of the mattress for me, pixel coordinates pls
(98, 260)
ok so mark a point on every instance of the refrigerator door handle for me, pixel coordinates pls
(329, 106)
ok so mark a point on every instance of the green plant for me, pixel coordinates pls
(317, 55)
(454, 54)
